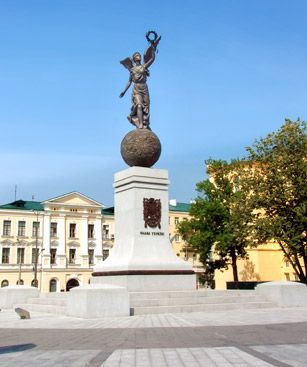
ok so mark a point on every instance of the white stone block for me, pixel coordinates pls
(149, 283)
(16, 294)
(284, 293)
(96, 300)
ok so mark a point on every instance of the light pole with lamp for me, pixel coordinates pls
(19, 262)
(35, 281)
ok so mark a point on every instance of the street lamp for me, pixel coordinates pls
(19, 262)
(35, 281)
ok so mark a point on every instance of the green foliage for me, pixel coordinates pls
(218, 228)
(278, 176)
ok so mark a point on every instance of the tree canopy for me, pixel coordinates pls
(218, 227)
(252, 201)
(278, 177)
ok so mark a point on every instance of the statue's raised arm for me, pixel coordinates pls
(139, 115)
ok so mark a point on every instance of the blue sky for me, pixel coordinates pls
(227, 72)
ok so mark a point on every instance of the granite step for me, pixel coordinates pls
(194, 300)
(139, 310)
(32, 307)
(48, 301)
(190, 294)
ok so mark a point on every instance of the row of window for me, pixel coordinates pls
(53, 253)
(36, 229)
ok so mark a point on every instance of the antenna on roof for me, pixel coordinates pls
(15, 192)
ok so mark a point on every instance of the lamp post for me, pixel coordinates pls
(35, 281)
(19, 263)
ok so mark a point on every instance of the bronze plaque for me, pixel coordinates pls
(152, 212)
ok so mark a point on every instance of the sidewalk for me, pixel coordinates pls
(264, 337)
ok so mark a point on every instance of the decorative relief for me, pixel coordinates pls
(152, 212)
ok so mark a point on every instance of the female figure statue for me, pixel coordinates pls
(139, 115)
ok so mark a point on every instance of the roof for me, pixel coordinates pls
(180, 207)
(108, 211)
(23, 205)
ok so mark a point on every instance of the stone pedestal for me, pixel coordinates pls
(16, 294)
(142, 258)
(284, 293)
(94, 301)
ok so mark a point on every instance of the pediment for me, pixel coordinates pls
(7, 242)
(74, 199)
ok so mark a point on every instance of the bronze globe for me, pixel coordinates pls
(140, 147)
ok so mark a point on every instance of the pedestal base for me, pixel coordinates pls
(97, 300)
(16, 294)
(143, 283)
(284, 293)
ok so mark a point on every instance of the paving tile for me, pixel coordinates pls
(293, 355)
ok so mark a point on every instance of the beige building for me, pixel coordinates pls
(66, 234)
(72, 233)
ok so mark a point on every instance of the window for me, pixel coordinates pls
(21, 228)
(105, 254)
(34, 253)
(74, 210)
(20, 282)
(106, 231)
(72, 256)
(177, 238)
(5, 255)
(72, 230)
(91, 257)
(90, 231)
(20, 255)
(287, 276)
(35, 229)
(176, 220)
(53, 229)
(4, 283)
(112, 237)
(287, 263)
(53, 256)
(6, 228)
(52, 285)
(34, 283)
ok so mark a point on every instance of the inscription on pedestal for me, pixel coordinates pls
(147, 233)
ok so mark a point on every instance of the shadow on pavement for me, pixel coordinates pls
(16, 348)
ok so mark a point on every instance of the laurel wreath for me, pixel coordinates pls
(149, 39)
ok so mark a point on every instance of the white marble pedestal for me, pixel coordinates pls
(142, 258)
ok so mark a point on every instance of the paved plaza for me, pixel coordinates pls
(265, 337)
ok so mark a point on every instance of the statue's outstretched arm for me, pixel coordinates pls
(151, 60)
(126, 88)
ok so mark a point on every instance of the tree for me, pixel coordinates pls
(278, 177)
(218, 228)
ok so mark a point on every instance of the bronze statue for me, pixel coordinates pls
(139, 115)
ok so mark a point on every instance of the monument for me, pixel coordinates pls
(142, 259)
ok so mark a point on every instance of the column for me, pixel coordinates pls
(98, 236)
(84, 241)
(61, 253)
(46, 241)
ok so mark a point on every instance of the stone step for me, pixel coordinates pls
(190, 294)
(48, 301)
(201, 308)
(31, 307)
(168, 301)
(53, 295)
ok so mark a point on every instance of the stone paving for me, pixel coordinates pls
(265, 337)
